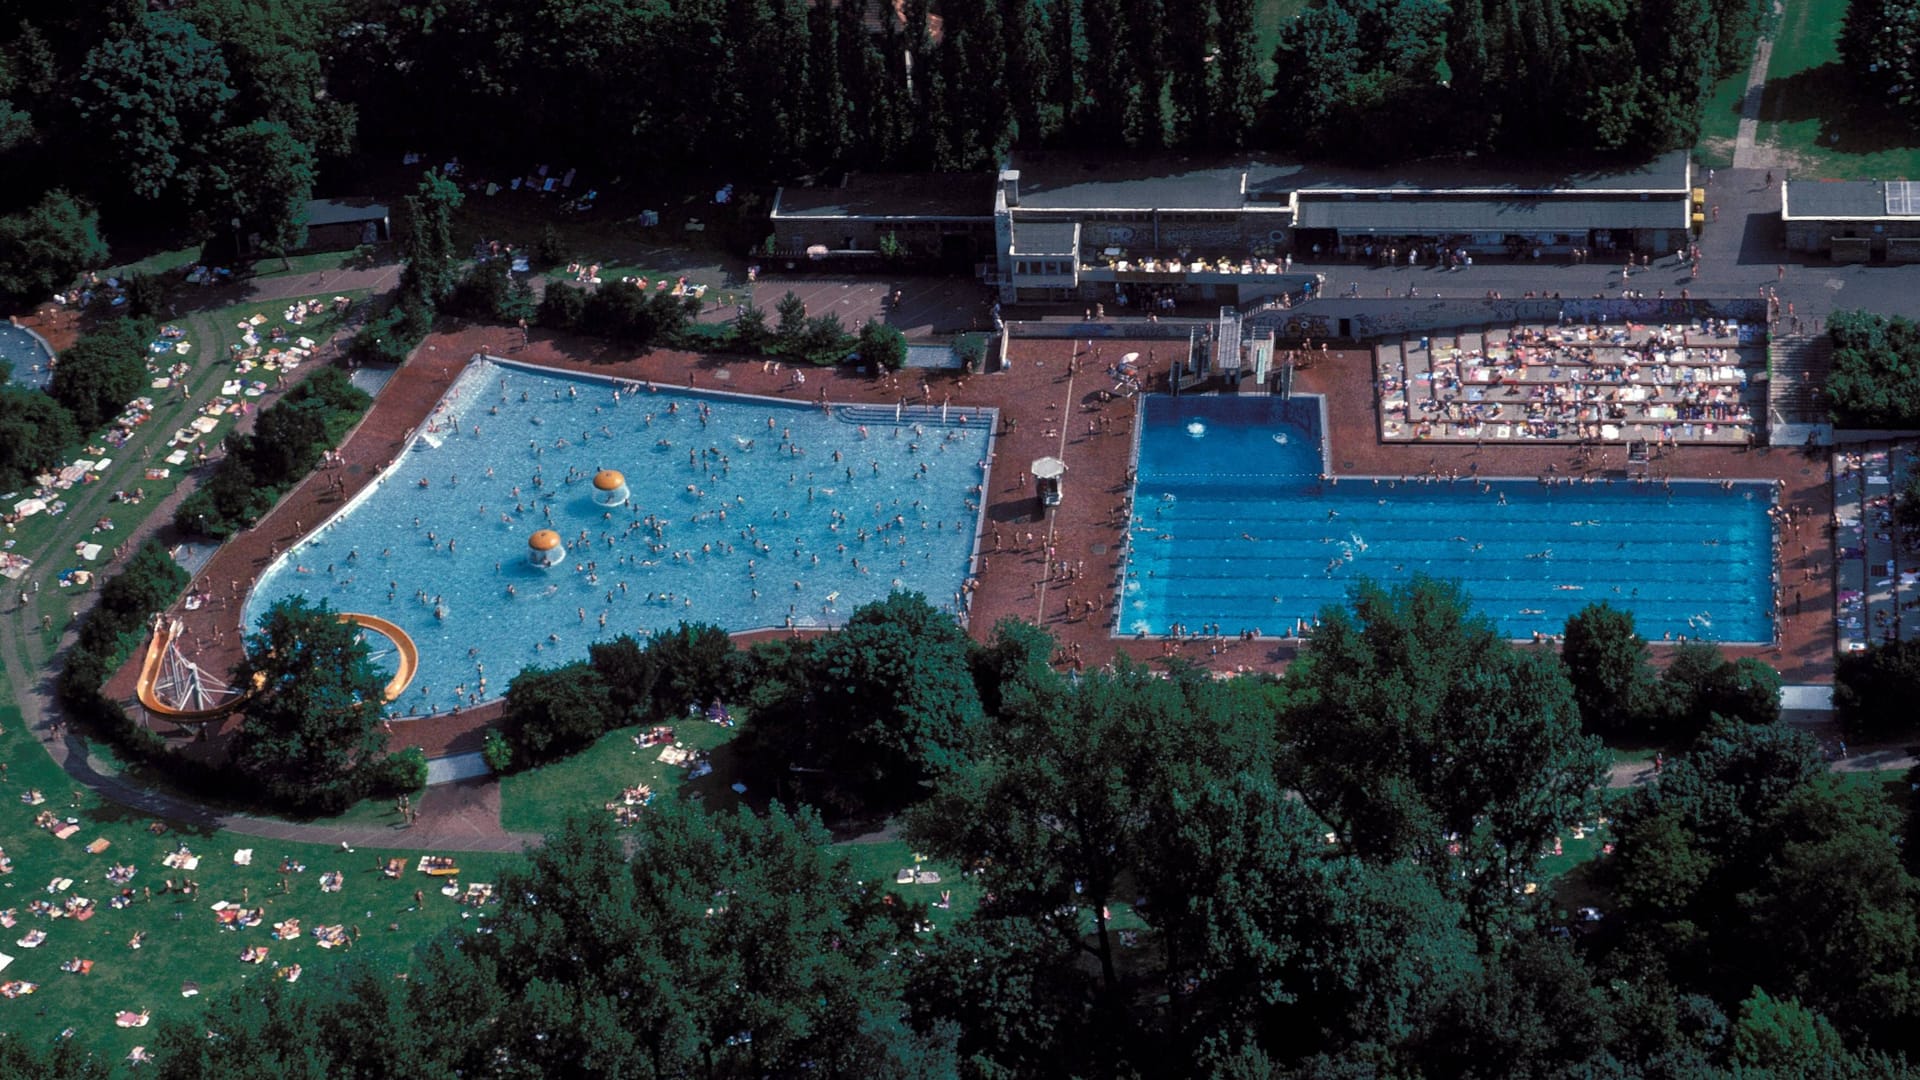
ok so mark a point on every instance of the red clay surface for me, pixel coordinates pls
(1060, 571)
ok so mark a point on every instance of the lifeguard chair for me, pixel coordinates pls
(1047, 472)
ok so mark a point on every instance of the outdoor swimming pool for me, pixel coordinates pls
(26, 352)
(1232, 525)
(745, 512)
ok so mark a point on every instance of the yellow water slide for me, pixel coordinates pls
(166, 630)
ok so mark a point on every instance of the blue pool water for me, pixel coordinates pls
(24, 352)
(1233, 526)
(815, 537)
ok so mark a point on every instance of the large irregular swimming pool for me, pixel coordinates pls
(28, 355)
(743, 512)
(1234, 525)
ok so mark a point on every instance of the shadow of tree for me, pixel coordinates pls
(1850, 121)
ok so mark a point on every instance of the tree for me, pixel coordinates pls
(1875, 382)
(1874, 690)
(35, 434)
(882, 345)
(1237, 86)
(790, 332)
(1878, 42)
(100, 373)
(897, 704)
(312, 722)
(43, 246)
(697, 666)
(1421, 733)
(1784, 1036)
(427, 239)
(629, 673)
(1700, 684)
(261, 176)
(725, 945)
(1607, 664)
(156, 96)
(553, 712)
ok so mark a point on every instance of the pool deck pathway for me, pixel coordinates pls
(1065, 576)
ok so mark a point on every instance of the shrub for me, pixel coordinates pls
(552, 712)
(883, 345)
(551, 251)
(287, 442)
(972, 349)
(399, 774)
(497, 753)
(563, 307)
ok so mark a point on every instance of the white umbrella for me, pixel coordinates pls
(1048, 468)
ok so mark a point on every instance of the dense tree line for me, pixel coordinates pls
(220, 111)
(1388, 80)
(1880, 48)
(1324, 875)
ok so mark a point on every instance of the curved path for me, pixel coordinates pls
(457, 817)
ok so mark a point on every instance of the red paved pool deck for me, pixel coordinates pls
(1060, 570)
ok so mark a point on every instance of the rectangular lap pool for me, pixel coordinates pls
(1234, 525)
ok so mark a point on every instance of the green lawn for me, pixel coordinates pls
(301, 264)
(158, 262)
(1808, 110)
(538, 800)
(1720, 121)
(184, 942)
(1268, 17)
(48, 540)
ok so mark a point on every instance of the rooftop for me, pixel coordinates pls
(1668, 172)
(1070, 181)
(1852, 199)
(345, 211)
(1497, 213)
(1063, 181)
(1046, 237)
(893, 195)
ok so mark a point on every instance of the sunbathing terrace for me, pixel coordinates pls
(1877, 560)
(1695, 384)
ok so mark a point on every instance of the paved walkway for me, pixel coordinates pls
(1746, 155)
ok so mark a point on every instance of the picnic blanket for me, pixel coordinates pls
(99, 846)
(243, 857)
(66, 831)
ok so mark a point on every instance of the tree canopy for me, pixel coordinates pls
(313, 726)
(1422, 734)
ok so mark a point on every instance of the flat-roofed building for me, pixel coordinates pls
(1852, 220)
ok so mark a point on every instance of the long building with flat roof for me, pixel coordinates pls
(1058, 226)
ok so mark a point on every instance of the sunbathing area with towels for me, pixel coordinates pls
(1876, 557)
(1576, 382)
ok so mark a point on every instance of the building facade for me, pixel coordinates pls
(1060, 227)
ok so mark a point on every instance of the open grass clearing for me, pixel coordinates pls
(184, 941)
(1810, 115)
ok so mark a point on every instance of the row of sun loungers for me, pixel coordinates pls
(1668, 385)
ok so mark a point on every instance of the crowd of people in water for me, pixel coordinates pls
(800, 525)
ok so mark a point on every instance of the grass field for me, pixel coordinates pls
(184, 942)
(1720, 121)
(92, 513)
(538, 800)
(1808, 114)
(1268, 17)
